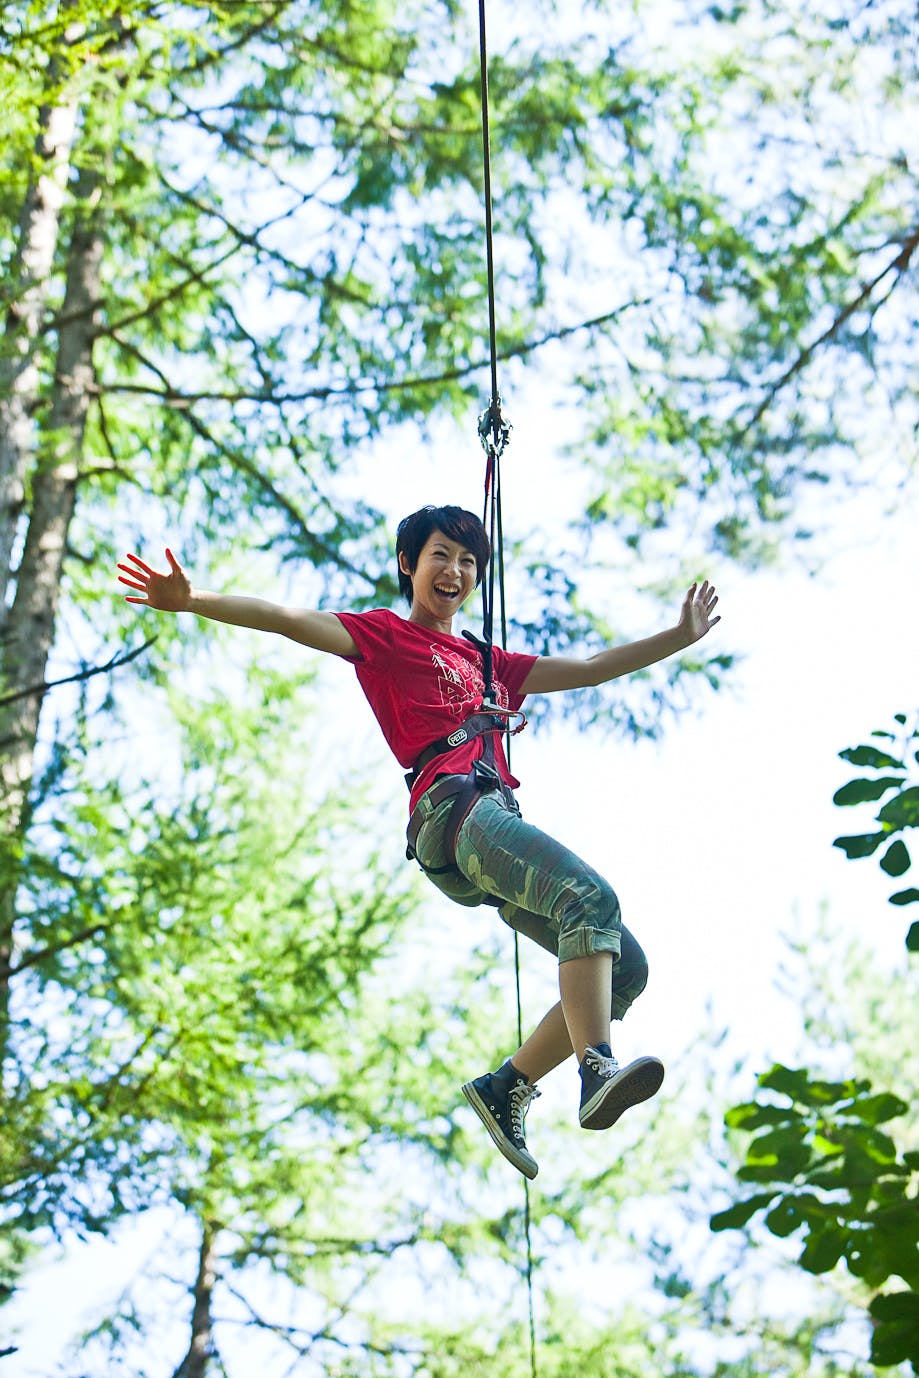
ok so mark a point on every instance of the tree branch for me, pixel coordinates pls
(242, 239)
(41, 689)
(32, 959)
(172, 395)
(251, 238)
(898, 266)
(397, 129)
(214, 55)
(241, 462)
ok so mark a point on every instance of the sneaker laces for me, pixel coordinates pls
(599, 1063)
(518, 1101)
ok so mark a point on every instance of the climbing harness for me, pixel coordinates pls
(465, 790)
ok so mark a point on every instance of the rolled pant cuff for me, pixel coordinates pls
(587, 942)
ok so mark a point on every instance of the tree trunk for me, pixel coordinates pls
(31, 620)
(30, 277)
(201, 1347)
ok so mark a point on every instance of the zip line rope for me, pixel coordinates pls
(494, 433)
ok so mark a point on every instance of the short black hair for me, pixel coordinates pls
(456, 523)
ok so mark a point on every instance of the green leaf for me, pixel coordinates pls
(860, 845)
(757, 1172)
(902, 811)
(896, 1333)
(895, 1306)
(815, 1210)
(909, 896)
(786, 1080)
(860, 791)
(872, 1146)
(736, 1216)
(896, 1242)
(879, 1108)
(831, 1172)
(753, 1116)
(912, 937)
(797, 1083)
(785, 1218)
(896, 859)
(871, 756)
(823, 1249)
(781, 1150)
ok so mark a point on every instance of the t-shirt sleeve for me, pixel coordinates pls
(371, 633)
(512, 668)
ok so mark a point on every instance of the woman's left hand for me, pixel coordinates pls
(696, 614)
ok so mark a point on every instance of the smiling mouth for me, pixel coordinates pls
(446, 593)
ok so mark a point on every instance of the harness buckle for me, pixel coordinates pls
(486, 776)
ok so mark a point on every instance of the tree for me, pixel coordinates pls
(828, 1161)
(770, 290)
(901, 811)
(214, 1012)
(825, 1167)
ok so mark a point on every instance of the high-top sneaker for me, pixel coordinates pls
(500, 1099)
(607, 1089)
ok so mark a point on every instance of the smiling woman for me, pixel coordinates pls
(443, 553)
(427, 689)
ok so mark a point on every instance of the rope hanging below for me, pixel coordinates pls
(494, 433)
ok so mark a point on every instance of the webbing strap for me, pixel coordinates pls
(475, 726)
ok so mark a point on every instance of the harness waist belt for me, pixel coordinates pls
(475, 726)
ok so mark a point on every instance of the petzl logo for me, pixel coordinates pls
(457, 738)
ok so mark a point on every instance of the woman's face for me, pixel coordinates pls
(442, 580)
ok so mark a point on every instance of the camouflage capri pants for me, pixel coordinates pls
(540, 888)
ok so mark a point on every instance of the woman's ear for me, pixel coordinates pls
(404, 564)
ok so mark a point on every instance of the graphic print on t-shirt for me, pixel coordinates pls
(460, 682)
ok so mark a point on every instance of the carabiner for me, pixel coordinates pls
(498, 712)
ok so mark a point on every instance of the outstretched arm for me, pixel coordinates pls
(172, 591)
(567, 672)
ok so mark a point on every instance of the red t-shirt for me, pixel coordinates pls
(422, 684)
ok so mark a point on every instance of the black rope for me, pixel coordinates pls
(489, 229)
(494, 433)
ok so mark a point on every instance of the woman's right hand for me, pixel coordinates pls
(170, 592)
